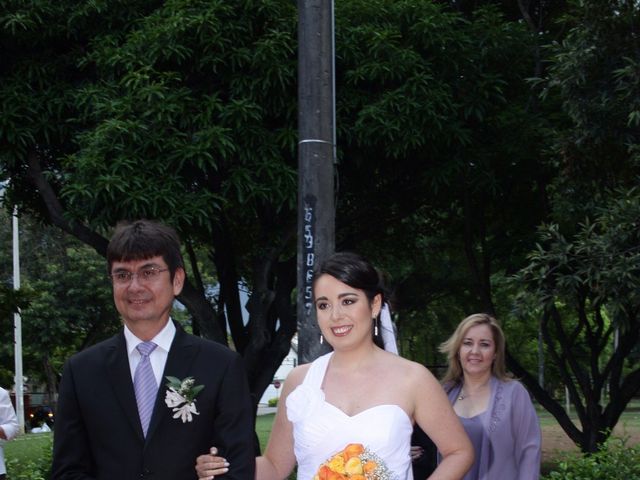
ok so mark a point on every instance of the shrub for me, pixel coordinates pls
(614, 461)
(273, 402)
(36, 468)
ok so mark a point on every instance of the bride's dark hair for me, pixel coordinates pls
(357, 272)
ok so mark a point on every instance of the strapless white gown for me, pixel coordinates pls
(320, 429)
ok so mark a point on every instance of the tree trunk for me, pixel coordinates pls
(202, 313)
(267, 306)
(223, 258)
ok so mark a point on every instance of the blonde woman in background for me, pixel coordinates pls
(495, 410)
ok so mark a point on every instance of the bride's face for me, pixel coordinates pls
(344, 313)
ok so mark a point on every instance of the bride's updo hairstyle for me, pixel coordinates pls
(357, 272)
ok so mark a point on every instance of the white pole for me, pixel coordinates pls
(17, 325)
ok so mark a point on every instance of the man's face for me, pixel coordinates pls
(144, 299)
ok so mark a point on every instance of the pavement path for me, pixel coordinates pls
(265, 410)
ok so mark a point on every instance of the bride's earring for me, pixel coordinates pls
(375, 328)
(321, 339)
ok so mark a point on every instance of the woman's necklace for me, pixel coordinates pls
(463, 395)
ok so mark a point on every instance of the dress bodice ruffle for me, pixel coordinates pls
(321, 429)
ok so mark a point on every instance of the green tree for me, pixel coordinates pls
(446, 155)
(181, 111)
(185, 111)
(71, 310)
(587, 286)
(11, 302)
(592, 75)
(69, 300)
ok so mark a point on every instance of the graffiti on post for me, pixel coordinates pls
(309, 256)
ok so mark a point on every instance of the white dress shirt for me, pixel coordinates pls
(158, 357)
(8, 422)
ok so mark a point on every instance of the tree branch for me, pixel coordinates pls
(56, 211)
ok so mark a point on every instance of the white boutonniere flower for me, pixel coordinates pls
(181, 397)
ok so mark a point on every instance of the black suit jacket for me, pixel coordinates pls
(98, 433)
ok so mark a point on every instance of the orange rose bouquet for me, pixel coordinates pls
(354, 462)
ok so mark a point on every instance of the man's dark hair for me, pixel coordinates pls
(143, 239)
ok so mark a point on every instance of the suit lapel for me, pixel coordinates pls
(181, 356)
(119, 374)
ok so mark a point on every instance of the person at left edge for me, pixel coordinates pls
(9, 427)
(99, 433)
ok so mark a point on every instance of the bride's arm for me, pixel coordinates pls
(279, 459)
(436, 417)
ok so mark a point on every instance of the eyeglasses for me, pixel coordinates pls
(145, 276)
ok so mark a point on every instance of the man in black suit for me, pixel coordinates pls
(103, 429)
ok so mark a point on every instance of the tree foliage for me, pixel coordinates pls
(593, 73)
(448, 160)
(182, 111)
(439, 203)
(185, 111)
(587, 287)
(69, 301)
(582, 273)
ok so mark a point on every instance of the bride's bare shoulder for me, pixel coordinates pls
(296, 376)
(411, 369)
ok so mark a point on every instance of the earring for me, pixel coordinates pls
(321, 339)
(375, 328)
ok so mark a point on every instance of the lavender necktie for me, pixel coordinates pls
(144, 383)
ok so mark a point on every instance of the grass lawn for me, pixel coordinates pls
(555, 443)
(263, 428)
(28, 447)
(29, 456)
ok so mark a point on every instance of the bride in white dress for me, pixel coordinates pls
(350, 413)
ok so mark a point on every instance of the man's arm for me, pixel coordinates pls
(233, 431)
(72, 459)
